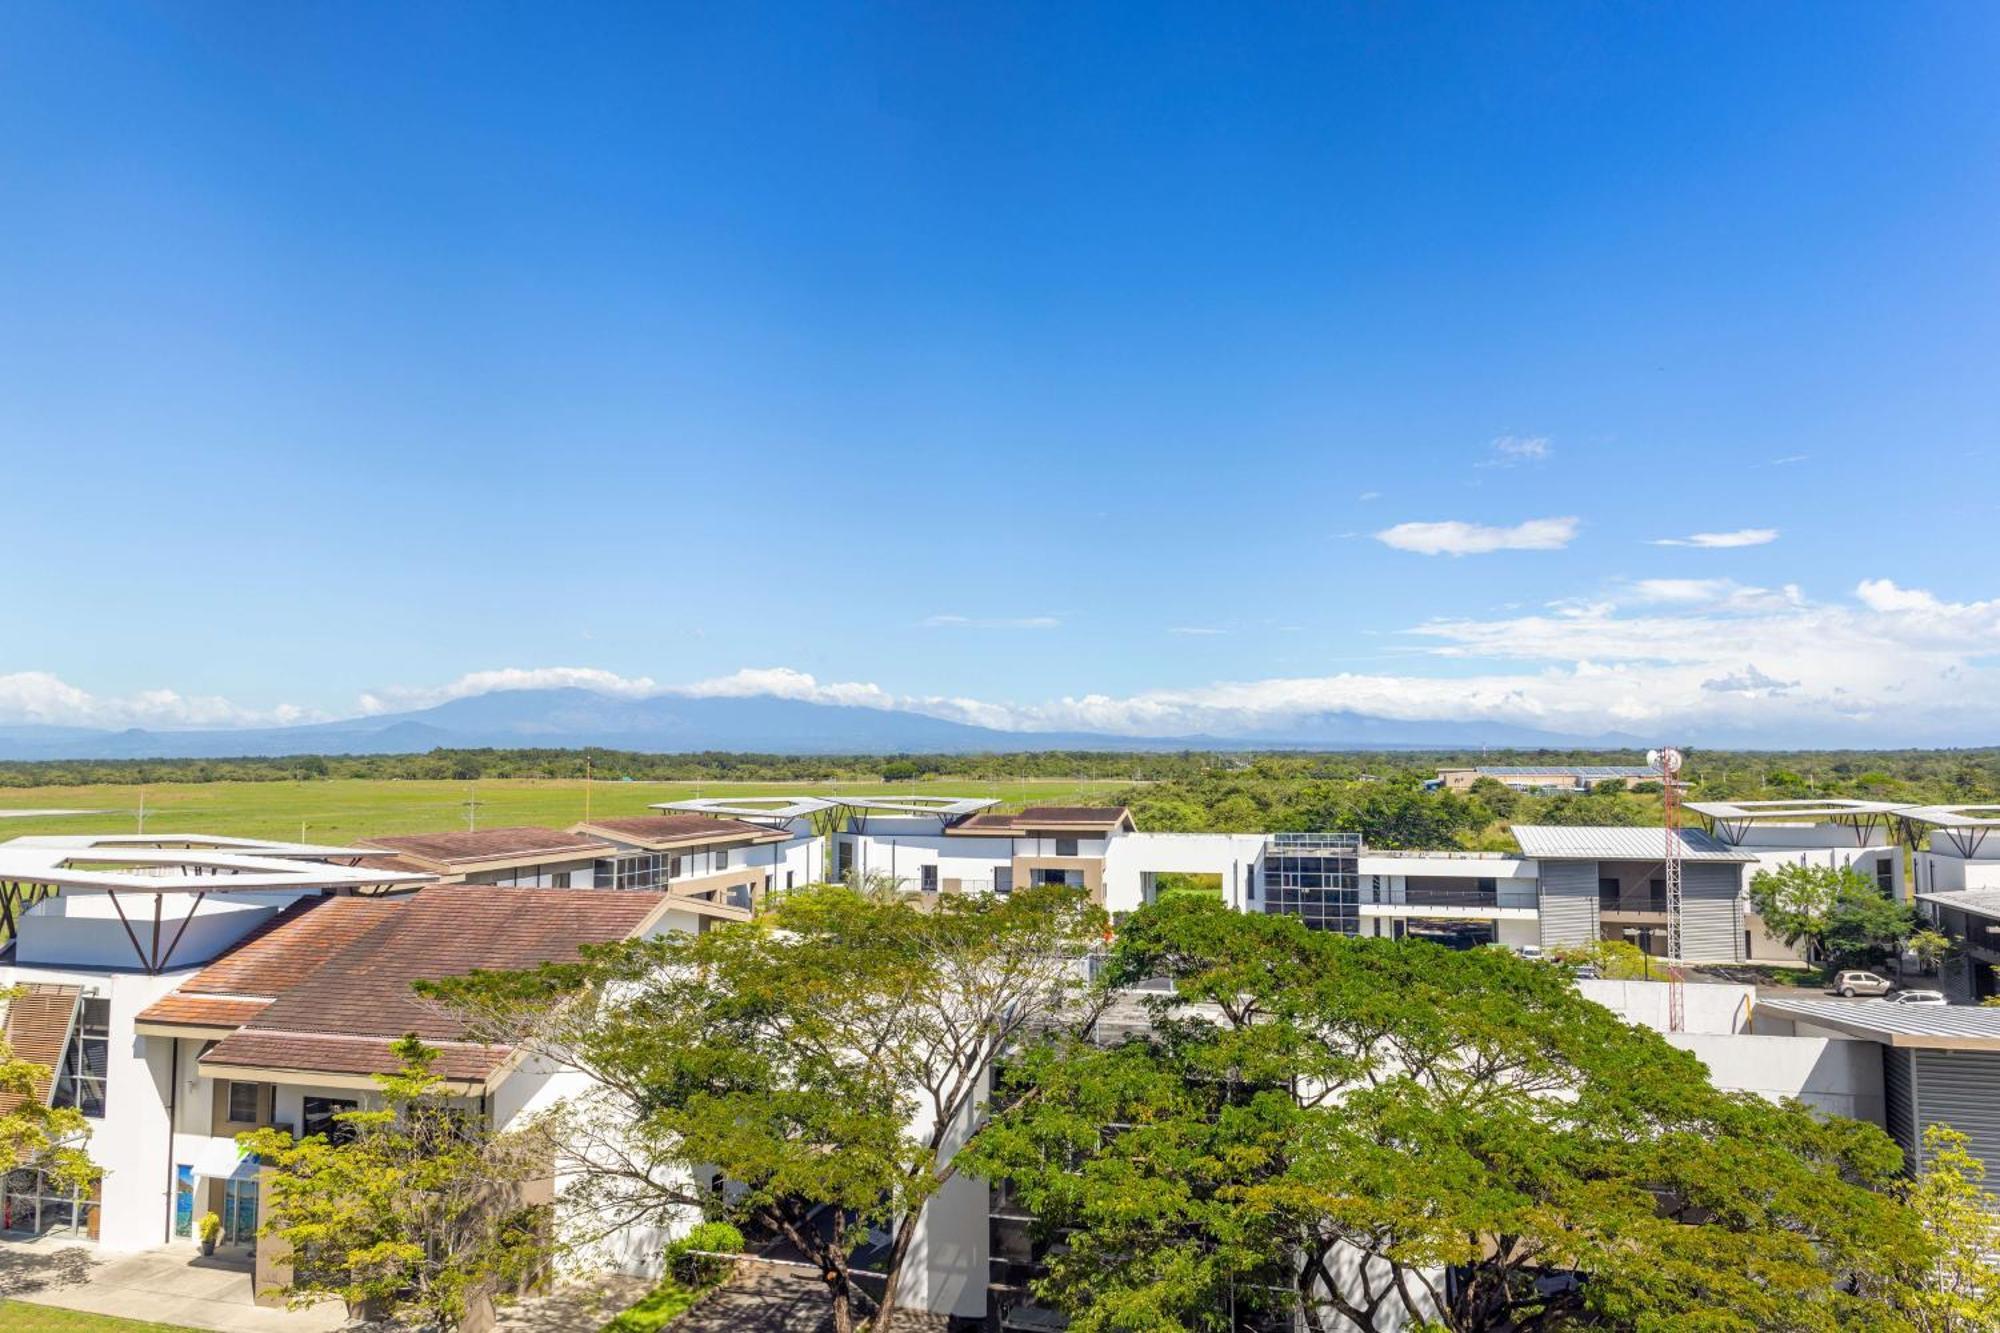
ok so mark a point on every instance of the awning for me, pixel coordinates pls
(221, 1159)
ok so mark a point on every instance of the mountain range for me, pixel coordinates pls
(671, 724)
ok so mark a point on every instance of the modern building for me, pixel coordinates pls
(186, 989)
(1955, 872)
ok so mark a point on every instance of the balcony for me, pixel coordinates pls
(1633, 904)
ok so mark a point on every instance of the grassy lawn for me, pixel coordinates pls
(21, 1317)
(340, 808)
(656, 1309)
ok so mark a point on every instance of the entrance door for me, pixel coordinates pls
(239, 1213)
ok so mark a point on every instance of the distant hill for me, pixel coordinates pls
(674, 724)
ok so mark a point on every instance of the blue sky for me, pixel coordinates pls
(1045, 366)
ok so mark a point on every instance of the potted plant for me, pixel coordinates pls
(210, 1229)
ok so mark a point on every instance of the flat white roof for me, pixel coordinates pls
(37, 814)
(749, 807)
(190, 842)
(1547, 842)
(90, 865)
(944, 807)
(1795, 811)
(1952, 816)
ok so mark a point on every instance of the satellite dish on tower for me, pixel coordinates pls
(1667, 761)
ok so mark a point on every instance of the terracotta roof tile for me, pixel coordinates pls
(252, 1049)
(207, 1011)
(489, 844)
(290, 946)
(682, 828)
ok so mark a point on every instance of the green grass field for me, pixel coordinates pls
(344, 808)
(21, 1317)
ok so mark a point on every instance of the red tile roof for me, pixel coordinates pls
(205, 1011)
(681, 828)
(490, 844)
(353, 960)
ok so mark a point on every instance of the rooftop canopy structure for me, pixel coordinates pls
(113, 870)
(1965, 826)
(1732, 820)
(777, 811)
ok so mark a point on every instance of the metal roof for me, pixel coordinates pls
(1798, 811)
(1546, 842)
(1976, 902)
(191, 842)
(1952, 816)
(1944, 1027)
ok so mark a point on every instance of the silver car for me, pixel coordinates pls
(1849, 984)
(1915, 997)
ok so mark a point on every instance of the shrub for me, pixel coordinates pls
(687, 1262)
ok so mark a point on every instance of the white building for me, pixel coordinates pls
(187, 989)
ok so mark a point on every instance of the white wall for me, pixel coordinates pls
(83, 930)
(1705, 1008)
(1832, 1076)
(1131, 858)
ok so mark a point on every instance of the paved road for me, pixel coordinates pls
(772, 1302)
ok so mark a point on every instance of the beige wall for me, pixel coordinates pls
(1091, 866)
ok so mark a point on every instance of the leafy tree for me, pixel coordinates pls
(1617, 960)
(1931, 948)
(1835, 909)
(420, 1209)
(1958, 1289)
(34, 1135)
(1329, 1123)
(825, 1059)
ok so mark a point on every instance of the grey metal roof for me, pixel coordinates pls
(1948, 1027)
(1547, 842)
(1977, 902)
(1952, 816)
(1801, 811)
(749, 807)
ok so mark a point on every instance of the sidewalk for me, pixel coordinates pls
(167, 1285)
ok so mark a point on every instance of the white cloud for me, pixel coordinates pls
(404, 698)
(1514, 450)
(990, 622)
(1789, 459)
(1198, 631)
(1366, 496)
(1722, 540)
(1705, 660)
(42, 698)
(1453, 537)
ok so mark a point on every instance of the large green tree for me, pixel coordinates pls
(1328, 1124)
(415, 1207)
(827, 1059)
(1836, 909)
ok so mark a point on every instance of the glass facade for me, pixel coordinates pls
(1316, 878)
(80, 1078)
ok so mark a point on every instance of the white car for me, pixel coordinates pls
(1915, 997)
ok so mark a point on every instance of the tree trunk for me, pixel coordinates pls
(843, 1310)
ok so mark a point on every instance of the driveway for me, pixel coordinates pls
(764, 1300)
(167, 1285)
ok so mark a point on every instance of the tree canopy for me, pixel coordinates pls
(1327, 1123)
(824, 1060)
(1837, 910)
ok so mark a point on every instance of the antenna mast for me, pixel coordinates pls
(1668, 762)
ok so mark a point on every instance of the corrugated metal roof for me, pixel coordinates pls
(1547, 842)
(1977, 902)
(1960, 1027)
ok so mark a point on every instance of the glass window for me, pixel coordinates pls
(245, 1102)
(1065, 846)
(319, 1118)
(559, 880)
(1315, 877)
(927, 879)
(81, 1080)
(722, 859)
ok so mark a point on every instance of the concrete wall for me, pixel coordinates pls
(1131, 860)
(1705, 1008)
(83, 930)
(1832, 1076)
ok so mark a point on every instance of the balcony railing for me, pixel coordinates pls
(1632, 902)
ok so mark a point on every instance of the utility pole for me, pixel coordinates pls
(142, 809)
(472, 808)
(586, 786)
(1668, 761)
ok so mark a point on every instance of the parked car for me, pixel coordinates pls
(1848, 984)
(1916, 997)
(1531, 952)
